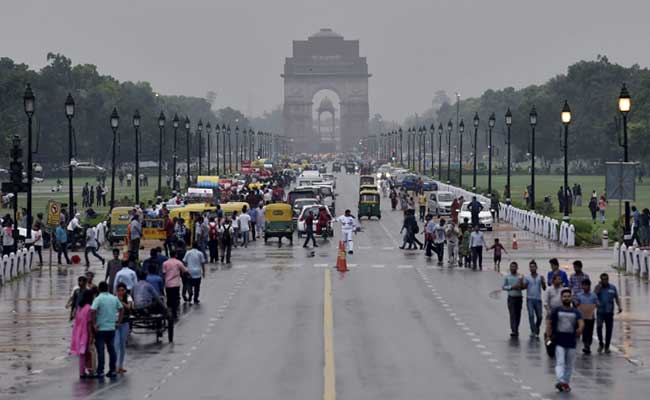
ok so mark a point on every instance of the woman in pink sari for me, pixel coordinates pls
(82, 335)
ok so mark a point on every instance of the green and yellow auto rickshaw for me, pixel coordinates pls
(119, 224)
(279, 222)
(369, 204)
(367, 180)
(367, 188)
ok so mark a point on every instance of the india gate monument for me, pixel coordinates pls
(325, 63)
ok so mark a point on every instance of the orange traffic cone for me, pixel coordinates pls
(341, 262)
(515, 246)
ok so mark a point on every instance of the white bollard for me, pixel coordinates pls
(605, 243)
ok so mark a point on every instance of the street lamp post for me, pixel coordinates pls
(187, 142)
(199, 138)
(223, 132)
(161, 126)
(29, 102)
(175, 123)
(432, 129)
(566, 120)
(69, 113)
(533, 123)
(115, 122)
(208, 132)
(450, 127)
(491, 123)
(461, 130)
(136, 125)
(624, 106)
(474, 148)
(440, 151)
(508, 124)
(420, 136)
(237, 160)
(217, 131)
(229, 151)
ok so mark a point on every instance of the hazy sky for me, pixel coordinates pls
(413, 47)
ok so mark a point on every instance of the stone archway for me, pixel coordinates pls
(325, 61)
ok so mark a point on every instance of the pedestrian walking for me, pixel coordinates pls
(252, 214)
(476, 244)
(464, 250)
(125, 275)
(107, 313)
(553, 295)
(563, 327)
(593, 208)
(607, 296)
(576, 278)
(114, 266)
(586, 302)
(534, 284)
(555, 269)
(452, 234)
(226, 232)
(213, 240)
(602, 206)
(75, 296)
(122, 329)
(135, 235)
(61, 236)
(195, 263)
(309, 230)
(429, 235)
(244, 226)
(439, 239)
(82, 335)
(37, 241)
(349, 225)
(235, 228)
(172, 270)
(422, 203)
(475, 208)
(91, 246)
(393, 199)
(498, 248)
(644, 225)
(170, 234)
(513, 283)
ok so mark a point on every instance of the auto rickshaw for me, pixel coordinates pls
(120, 219)
(230, 207)
(278, 222)
(370, 188)
(189, 213)
(369, 204)
(367, 180)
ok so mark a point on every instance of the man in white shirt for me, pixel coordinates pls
(244, 225)
(349, 225)
(126, 275)
(476, 244)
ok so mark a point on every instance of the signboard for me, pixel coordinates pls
(620, 180)
(53, 212)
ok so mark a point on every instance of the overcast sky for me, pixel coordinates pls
(413, 47)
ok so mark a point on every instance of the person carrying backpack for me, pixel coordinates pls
(213, 240)
(226, 232)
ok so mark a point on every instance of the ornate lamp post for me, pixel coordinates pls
(187, 141)
(115, 122)
(136, 125)
(29, 103)
(474, 146)
(161, 126)
(533, 123)
(491, 123)
(566, 120)
(440, 151)
(461, 130)
(229, 151)
(450, 127)
(420, 136)
(69, 113)
(237, 147)
(199, 138)
(217, 131)
(508, 124)
(624, 106)
(223, 132)
(432, 129)
(175, 123)
(208, 133)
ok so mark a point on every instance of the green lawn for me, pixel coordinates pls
(550, 184)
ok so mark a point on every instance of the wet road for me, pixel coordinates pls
(283, 324)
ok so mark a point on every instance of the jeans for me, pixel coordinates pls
(588, 333)
(439, 248)
(39, 251)
(213, 245)
(105, 338)
(90, 249)
(534, 314)
(310, 235)
(121, 335)
(244, 236)
(608, 319)
(253, 235)
(422, 212)
(514, 309)
(452, 250)
(226, 247)
(602, 216)
(477, 255)
(195, 288)
(564, 358)
(173, 300)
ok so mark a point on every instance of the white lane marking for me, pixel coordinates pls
(377, 266)
(486, 353)
(524, 387)
(387, 248)
(320, 265)
(493, 360)
(240, 266)
(535, 395)
(353, 265)
(404, 266)
(470, 333)
(480, 346)
(476, 340)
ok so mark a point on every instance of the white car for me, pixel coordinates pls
(439, 203)
(484, 217)
(299, 204)
(315, 209)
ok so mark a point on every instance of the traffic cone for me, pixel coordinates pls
(341, 262)
(515, 246)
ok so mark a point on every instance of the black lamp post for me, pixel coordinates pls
(199, 138)
(229, 151)
(136, 125)
(624, 106)
(223, 132)
(29, 102)
(508, 124)
(69, 113)
(491, 123)
(175, 123)
(208, 132)
(474, 148)
(381, 146)
(533, 123)
(115, 122)
(432, 129)
(187, 143)
(440, 151)
(420, 136)
(450, 127)
(237, 148)
(217, 131)
(161, 126)
(566, 120)
(461, 130)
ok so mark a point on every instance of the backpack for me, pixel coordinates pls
(212, 232)
(226, 233)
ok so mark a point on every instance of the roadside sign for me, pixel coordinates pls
(53, 212)
(620, 180)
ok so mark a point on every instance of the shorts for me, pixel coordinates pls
(497, 258)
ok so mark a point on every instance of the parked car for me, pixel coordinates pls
(299, 204)
(439, 203)
(315, 209)
(484, 217)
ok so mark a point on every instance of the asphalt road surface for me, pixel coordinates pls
(284, 324)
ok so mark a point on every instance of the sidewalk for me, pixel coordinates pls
(631, 328)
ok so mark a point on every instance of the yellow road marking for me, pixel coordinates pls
(329, 375)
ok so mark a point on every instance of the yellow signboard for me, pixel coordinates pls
(53, 212)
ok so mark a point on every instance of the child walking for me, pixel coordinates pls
(498, 248)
